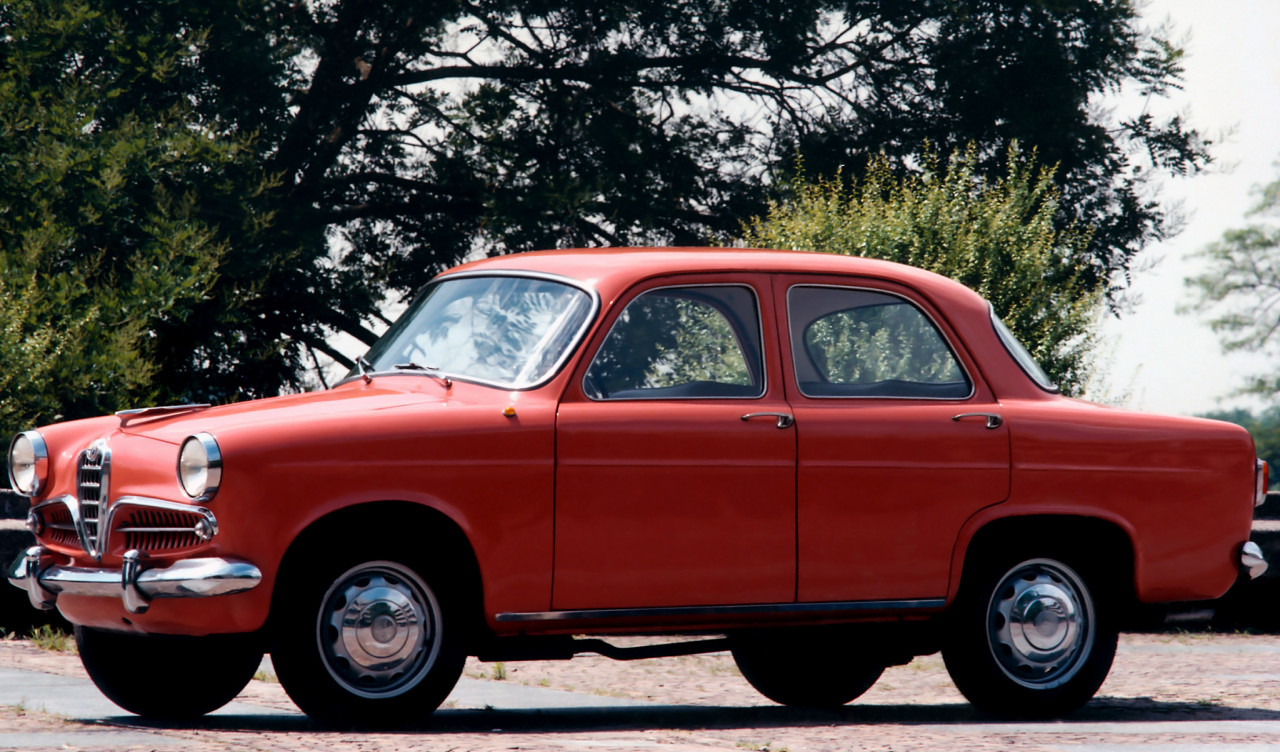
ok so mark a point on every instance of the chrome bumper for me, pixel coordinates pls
(1252, 561)
(34, 572)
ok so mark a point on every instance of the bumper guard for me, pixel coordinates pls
(34, 572)
(1252, 561)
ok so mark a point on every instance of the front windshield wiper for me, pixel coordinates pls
(411, 366)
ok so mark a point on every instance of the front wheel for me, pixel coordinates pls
(1030, 638)
(368, 642)
(136, 671)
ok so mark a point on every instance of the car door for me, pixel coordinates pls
(899, 440)
(675, 472)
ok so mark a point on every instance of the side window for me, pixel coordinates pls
(859, 343)
(678, 342)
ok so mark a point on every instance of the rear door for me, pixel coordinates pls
(899, 440)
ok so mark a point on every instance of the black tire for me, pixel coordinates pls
(131, 670)
(366, 641)
(801, 671)
(1030, 636)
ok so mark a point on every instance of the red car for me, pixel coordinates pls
(817, 457)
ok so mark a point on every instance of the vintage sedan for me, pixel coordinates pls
(823, 464)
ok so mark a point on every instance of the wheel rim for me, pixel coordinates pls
(378, 629)
(1040, 624)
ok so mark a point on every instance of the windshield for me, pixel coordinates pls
(1022, 355)
(507, 331)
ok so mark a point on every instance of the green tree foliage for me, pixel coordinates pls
(102, 233)
(875, 343)
(401, 136)
(997, 236)
(1241, 286)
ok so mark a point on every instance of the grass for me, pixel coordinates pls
(51, 638)
(263, 676)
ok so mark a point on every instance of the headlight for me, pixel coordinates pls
(200, 466)
(28, 463)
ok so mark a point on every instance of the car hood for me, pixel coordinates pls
(333, 404)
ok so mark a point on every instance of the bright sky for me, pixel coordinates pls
(1163, 361)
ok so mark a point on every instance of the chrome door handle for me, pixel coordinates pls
(993, 421)
(785, 420)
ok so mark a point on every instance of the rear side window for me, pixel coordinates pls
(681, 342)
(848, 342)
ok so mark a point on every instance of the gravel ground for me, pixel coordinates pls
(1176, 692)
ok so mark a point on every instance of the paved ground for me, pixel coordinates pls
(1167, 693)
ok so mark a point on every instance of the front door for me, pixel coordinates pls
(675, 477)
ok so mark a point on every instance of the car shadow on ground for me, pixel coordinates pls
(1102, 710)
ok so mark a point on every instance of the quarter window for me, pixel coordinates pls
(681, 342)
(859, 343)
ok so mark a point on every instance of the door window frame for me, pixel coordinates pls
(790, 344)
(761, 332)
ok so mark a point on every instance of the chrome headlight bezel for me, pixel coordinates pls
(200, 466)
(29, 480)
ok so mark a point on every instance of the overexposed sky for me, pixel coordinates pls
(1161, 360)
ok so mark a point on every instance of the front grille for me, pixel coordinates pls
(157, 529)
(92, 472)
(59, 527)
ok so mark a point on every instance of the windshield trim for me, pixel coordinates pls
(575, 342)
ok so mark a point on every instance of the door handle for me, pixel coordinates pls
(785, 420)
(993, 421)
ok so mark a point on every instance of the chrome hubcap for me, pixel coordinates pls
(378, 629)
(1040, 624)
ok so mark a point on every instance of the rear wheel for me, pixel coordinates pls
(1030, 637)
(131, 670)
(806, 672)
(368, 641)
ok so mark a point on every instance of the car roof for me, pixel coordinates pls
(610, 269)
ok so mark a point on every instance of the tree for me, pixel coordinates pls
(399, 137)
(1241, 286)
(996, 236)
(101, 236)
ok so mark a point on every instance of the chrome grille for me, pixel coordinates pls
(59, 527)
(92, 473)
(158, 529)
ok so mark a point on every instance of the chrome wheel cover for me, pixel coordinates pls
(1040, 624)
(378, 630)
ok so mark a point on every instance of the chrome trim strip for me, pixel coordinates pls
(764, 357)
(917, 604)
(136, 587)
(576, 342)
(140, 412)
(973, 384)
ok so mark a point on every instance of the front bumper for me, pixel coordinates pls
(35, 572)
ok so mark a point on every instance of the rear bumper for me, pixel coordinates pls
(35, 572)
(1252, 562)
